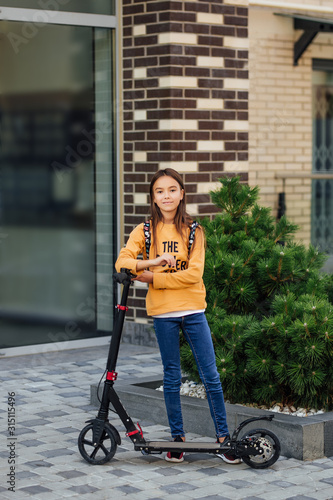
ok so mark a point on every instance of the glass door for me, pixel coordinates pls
(56, 184)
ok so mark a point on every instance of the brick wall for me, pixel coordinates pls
(185, 99)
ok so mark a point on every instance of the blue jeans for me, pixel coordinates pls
(197, 334)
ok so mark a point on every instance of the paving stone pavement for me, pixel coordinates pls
(52, 403)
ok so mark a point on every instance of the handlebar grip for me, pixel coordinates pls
(124, 276)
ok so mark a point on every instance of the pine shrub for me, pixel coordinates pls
(268, 306)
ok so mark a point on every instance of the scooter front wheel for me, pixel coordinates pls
(270, 444)
(97, 453)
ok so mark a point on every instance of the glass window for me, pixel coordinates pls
(56, 186)
(106, 7)
(322, 155)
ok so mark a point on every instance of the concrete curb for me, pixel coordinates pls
(303, 438)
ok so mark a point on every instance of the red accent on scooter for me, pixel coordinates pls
(111, 375)
(122, 308)
(137, 431)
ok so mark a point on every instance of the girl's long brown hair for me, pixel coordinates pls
(182, 219)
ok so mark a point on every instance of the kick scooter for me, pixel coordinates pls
(98, 440)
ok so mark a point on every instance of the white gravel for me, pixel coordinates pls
(197, 390)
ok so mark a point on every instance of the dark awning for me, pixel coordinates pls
(311, 26)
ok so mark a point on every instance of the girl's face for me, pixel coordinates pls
(167, 196)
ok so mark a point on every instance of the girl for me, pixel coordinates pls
(176, 299)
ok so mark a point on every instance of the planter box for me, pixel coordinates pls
(303, 438)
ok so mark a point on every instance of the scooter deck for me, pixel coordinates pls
(161, 446)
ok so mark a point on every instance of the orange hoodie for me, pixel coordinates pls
(177, 289)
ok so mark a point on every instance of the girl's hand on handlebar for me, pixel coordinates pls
(164, 259)
(145, 277)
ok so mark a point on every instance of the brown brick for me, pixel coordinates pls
(223, 136)
(158, 6)
(197, 177)
(128, 198)
(196, 51)
(146, 40)
(242, 74)
(165, 71)
(196, 7)
(223, 115)
(165, 135)
(177, 60)
(128, 125)
(128, 73)
(197, 156)
(223, 9)
(211, 125)
(132, 9)
(169, 156)
(243, 136)
(197, 93)
(210, 83)
(234, 63)
(127, 21)
(243, 54)
(196, 28)
(137, 52)
(242, 11)
(208, 209)
(128, 188)
(164, 28)
(236, 146)
(244, 156)
(127, 63)
(242, 32)
(127, 42)
(165, 114)
(165, 93)
(222, 30)
(146, 104)
(128, 146)
(135, 178)
(128, 167)
(177, 103)
(145, 18)
(235, 104)
(145, 61)
(128, 156)
(193, 71)
(127, 84)
(211, 167)
(194, 114)
(197, 136)
(223, 94)
(141, 210)
(178, 146)
(224, 156)
(223, 73)
(146, 83)
(242, 95)
(164, 49)
(146, 167)
(146, 125)
(235, 20)
(127, 31)
(242, 115)
(142, 188)
(184, 17)
(198, 198)
(210, 40)
(146, 146)
(134, 136)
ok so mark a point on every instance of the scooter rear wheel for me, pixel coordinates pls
(271, 446)
(100, 453)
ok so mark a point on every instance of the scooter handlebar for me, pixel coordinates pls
(125, 276)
